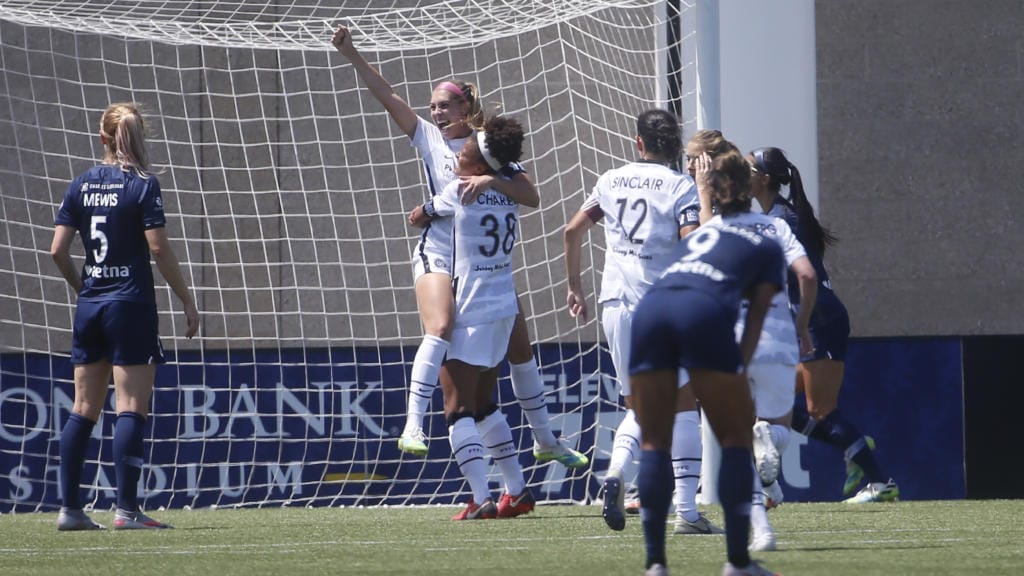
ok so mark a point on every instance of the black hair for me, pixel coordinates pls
(773, 162)
(504, 138)
(659, 130)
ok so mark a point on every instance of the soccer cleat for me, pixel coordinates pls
(485, 511)
(701, 526)
(632, 501)
(876, 492)
(510, 507)
(69, 519)
(125, 520)
(772, 495)
(762, 542)
(611, 510)
(854, 473)
(560, 453)
(413, 442)
(766, 455)
(752, 569)
(656, 570)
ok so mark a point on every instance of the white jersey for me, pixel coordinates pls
(778, 343)
(643, 204)
(484, 234)
(440, 157)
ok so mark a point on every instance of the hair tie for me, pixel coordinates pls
(481, 140)
(451, 87)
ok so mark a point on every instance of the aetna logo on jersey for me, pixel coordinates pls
(108, 271)
(99, 199)
(634, 182)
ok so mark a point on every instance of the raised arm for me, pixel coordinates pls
(577, 226)
(399, 109)
(167, 263)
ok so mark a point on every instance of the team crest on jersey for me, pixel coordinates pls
(440, 263)
(159, 202)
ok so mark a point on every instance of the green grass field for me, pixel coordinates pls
(906, 538)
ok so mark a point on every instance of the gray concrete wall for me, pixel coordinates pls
(921, 147)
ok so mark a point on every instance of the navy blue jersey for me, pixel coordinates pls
(112, 208)
(827, 307)
(726, 262)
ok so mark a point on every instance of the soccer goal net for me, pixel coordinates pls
(287, 187)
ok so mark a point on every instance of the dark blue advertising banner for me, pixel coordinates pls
(319, 427)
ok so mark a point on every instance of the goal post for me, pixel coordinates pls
(287, 187)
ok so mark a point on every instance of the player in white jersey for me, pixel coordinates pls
(646, 207)
(455, 112)
(484, 234)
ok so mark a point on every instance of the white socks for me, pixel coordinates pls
(686, 463)
(426, 366)
(529, 391)
(498, 442)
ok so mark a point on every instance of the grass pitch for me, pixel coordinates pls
(906, 538)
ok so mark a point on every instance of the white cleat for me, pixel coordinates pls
(772, 495)
(763, 542)
(766, 455)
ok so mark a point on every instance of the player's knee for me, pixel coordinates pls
(454, 417)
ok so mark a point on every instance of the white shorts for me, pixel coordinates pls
(617, 321)
(773, 387)
(481, 345)
(426, 259)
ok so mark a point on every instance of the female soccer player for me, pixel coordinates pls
(686, 320)
(772, 370)
(820, 372)
(455, 111)
(485, 311)
(647, 207)
(117, 208)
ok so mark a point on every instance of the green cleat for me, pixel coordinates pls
(413, 442)
(876, 492)
(854, 473)
(562, 454)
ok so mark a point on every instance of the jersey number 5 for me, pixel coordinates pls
(99, 254)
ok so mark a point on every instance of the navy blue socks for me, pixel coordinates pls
(655, 482)
(128, 436)
(74, 442)
(735, 477)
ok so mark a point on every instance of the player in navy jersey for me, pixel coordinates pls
(686, 320)
(820, 373)
(646, 207)
(485, 232)
(117, 209)
(455, 112)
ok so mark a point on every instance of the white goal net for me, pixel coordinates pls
(286, 188)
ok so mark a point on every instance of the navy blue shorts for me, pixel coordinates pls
(679, 327)
(121, 332)
(830, 331)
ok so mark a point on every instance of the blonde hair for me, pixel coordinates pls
(124, 135)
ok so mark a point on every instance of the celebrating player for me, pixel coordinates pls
(647, 206)
(455, 111)
(820, 372)
(485, 311)
(117, 209)
(686, 320)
